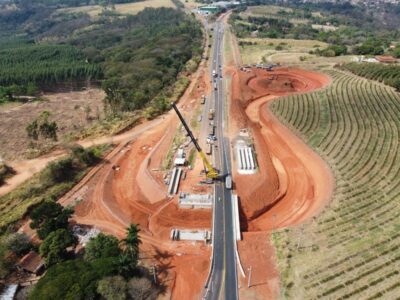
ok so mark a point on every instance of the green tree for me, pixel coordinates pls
(18, 243)
(112, 288)
(102, 246)
(48, 217)
(54, 247)
(85, 156)
(42, 126)
(32, 89)
(60, 171)
(32, 130)
(73, 279)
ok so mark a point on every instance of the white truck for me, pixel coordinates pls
(228, 182)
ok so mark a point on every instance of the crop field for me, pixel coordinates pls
(126, 8)
(388, 74)
(352, 249)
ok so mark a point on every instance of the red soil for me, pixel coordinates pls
(136, 193)
(293, 183)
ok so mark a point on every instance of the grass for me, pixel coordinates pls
(15, 205)
(264, 10)
(125, 8)
(179, 138)
(228, 50)
(293, 52)
(271, 11)
(264, 50)
(352, 248)
(192, 157)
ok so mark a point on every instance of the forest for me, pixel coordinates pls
(45, 64)
(137, 58)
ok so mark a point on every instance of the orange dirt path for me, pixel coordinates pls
(292, 184)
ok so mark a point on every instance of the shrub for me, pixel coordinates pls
(113, 288)
(18, 243)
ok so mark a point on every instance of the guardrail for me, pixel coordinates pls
(207, 284)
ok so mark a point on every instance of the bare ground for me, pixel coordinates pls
(67, 109)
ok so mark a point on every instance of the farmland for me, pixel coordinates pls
(351, 250)
(389, 75)
(124, 8)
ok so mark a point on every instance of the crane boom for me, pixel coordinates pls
(210, 171)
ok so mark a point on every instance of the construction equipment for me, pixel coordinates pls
(210, 171)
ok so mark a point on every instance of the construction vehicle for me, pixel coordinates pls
(211, 173)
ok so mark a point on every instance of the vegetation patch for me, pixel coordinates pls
(387, 74)
(51, 183)
(5, 172)
(351, 249)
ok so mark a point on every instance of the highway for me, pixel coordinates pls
(223, 279)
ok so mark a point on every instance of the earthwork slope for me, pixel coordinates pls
(351, 250)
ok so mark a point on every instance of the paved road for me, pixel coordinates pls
(223, 282)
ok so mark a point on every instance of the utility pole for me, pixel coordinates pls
(248, 282)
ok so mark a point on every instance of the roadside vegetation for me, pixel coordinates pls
(50, 184)
(108, 270)
(351, 249)
(5, 172)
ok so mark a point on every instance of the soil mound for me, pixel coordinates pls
(280, 84)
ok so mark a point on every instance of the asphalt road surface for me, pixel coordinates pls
(223, 280)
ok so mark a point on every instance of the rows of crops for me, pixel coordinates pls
(352, 250)
(45, 64)
(388, 74)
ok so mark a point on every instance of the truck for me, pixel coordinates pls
(215, 86)
(228, 182)
(211, 130)
(211, 114)
(203, 99)
(214, 73)
(209, 149)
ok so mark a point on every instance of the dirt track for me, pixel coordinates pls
(293, 183)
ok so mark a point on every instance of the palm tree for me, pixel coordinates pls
(132, 241)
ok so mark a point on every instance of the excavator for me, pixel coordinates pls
(211, 173)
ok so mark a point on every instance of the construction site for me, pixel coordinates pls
(173, 206)
(163, 178)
